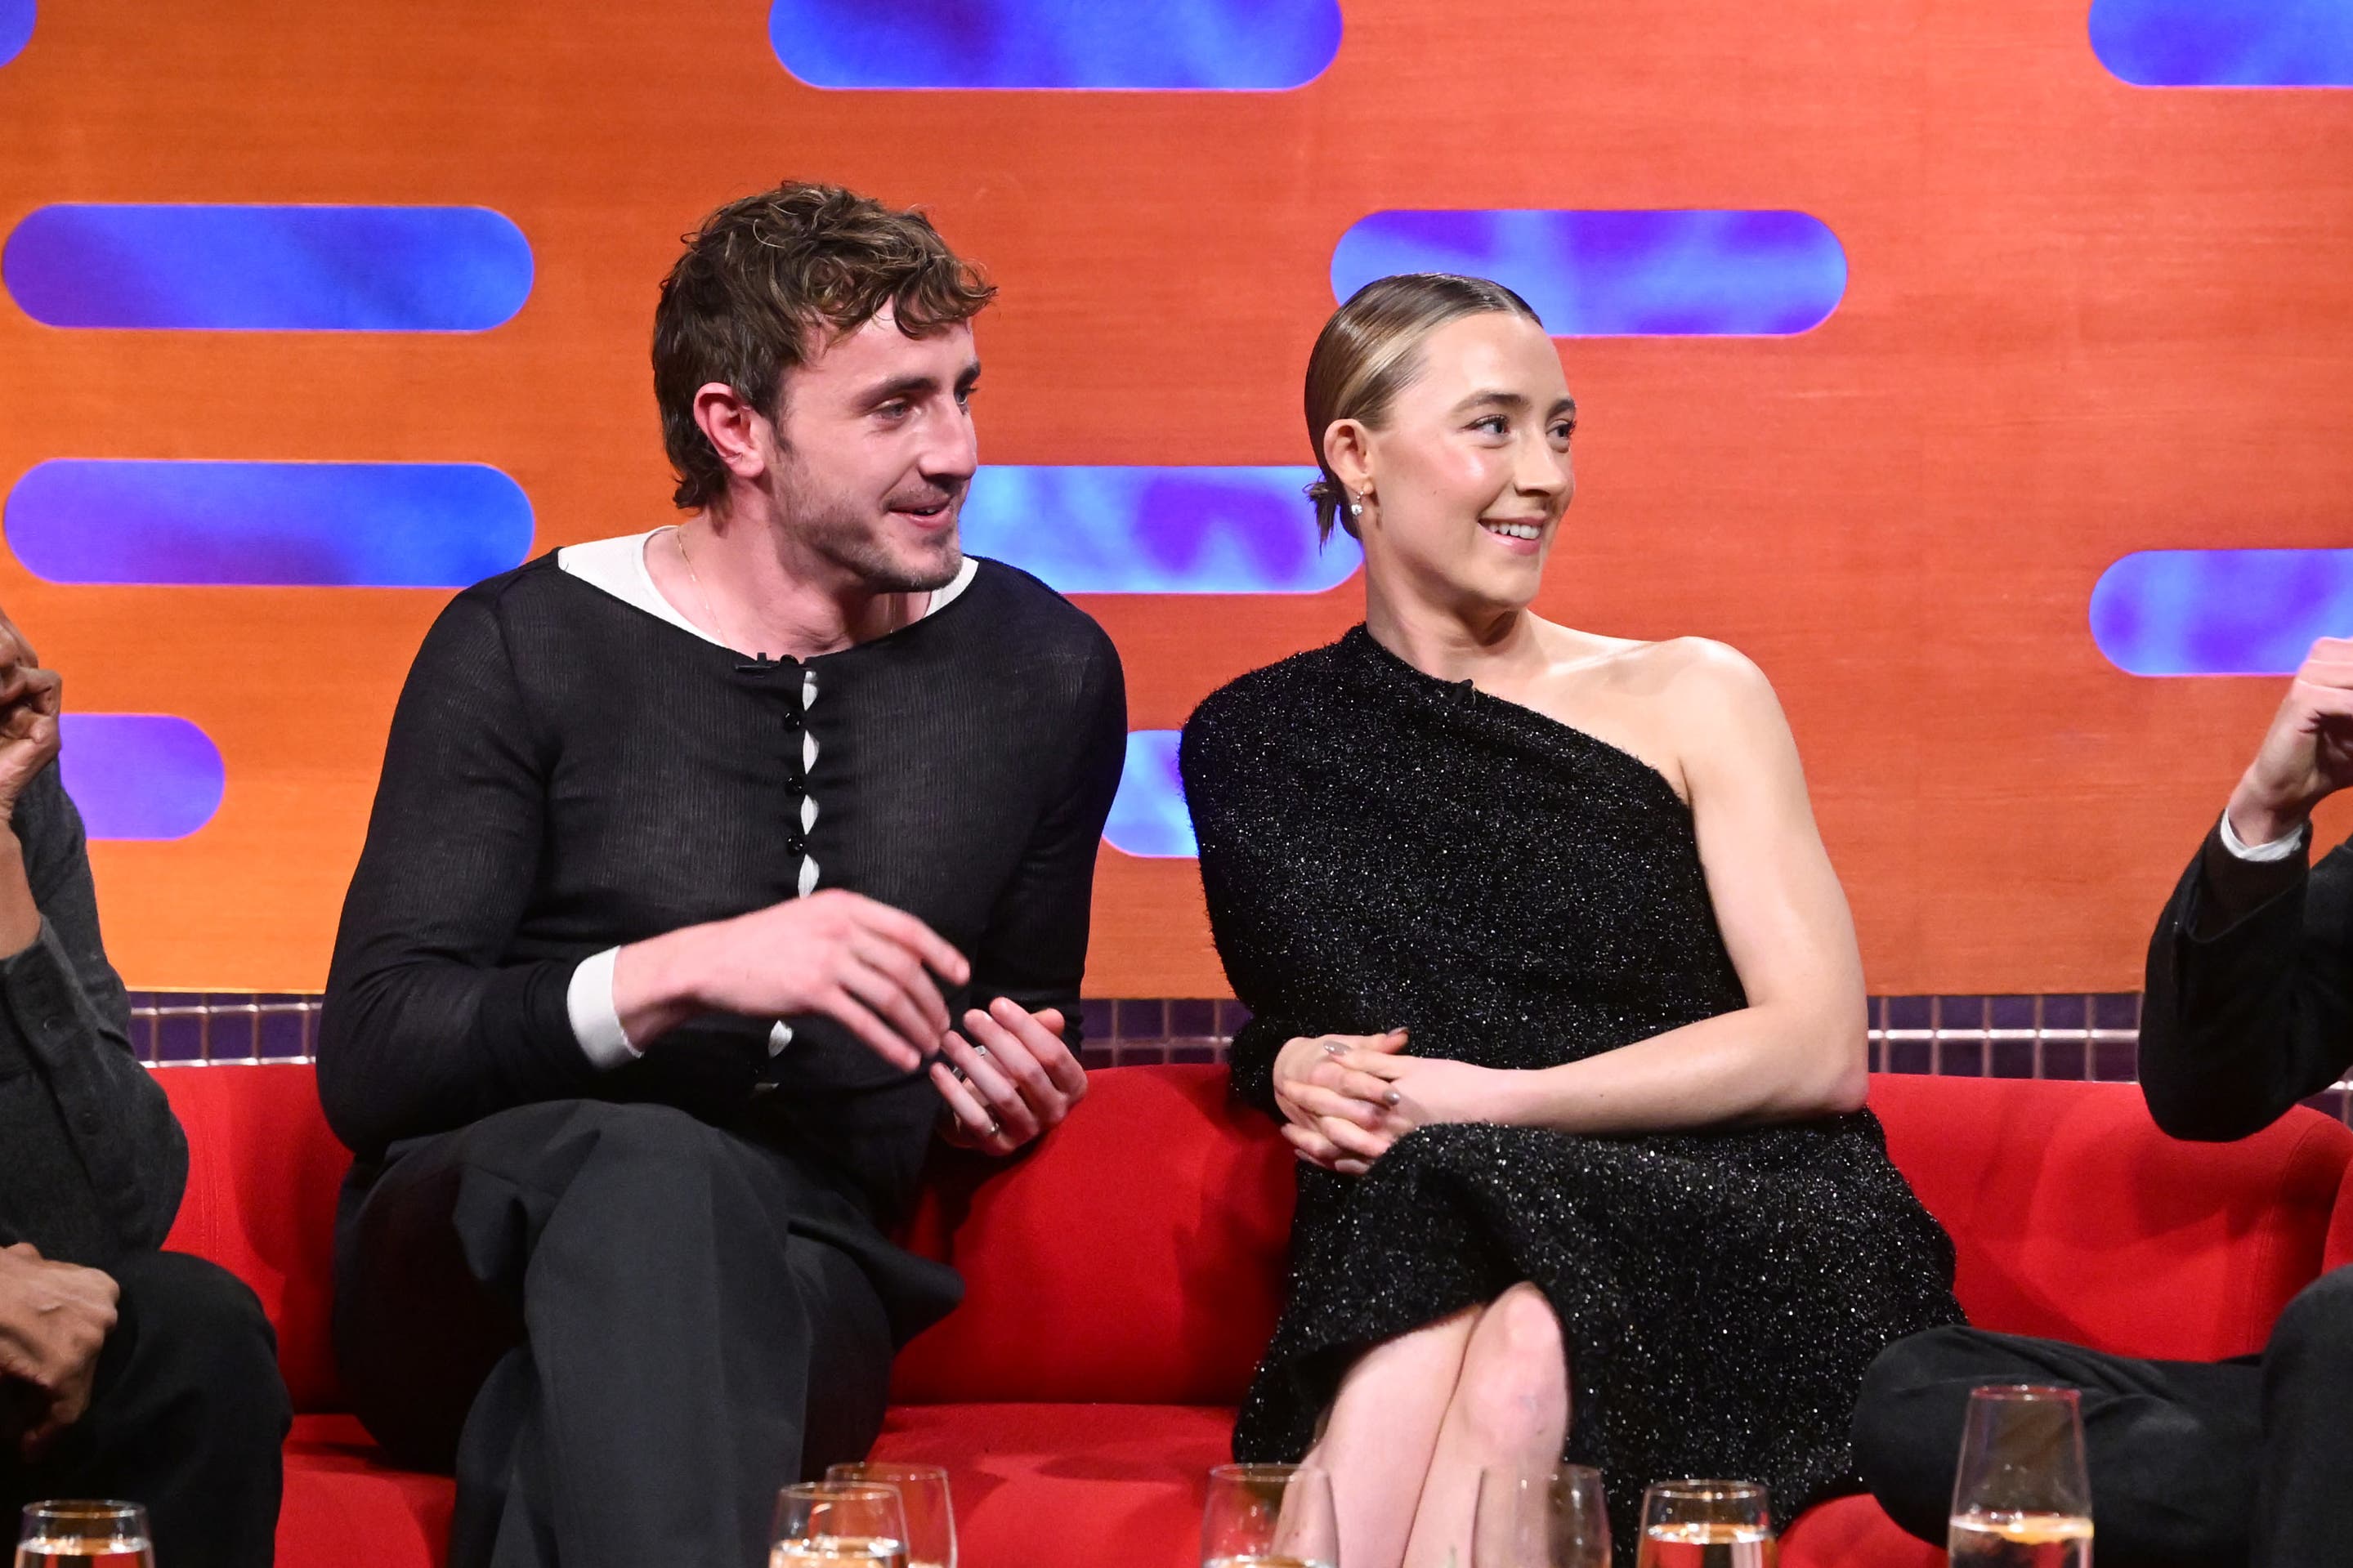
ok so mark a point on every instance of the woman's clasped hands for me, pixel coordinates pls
(1346, 1097)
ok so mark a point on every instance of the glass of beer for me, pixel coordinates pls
(840, 1525)
(67, 1534)
(2021, 1497)
(924, 1493)
(1705, 1524)
(1270, 1516)
(1542, 1518)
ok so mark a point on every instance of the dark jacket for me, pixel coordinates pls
(2250, 1001)
(92, 1161)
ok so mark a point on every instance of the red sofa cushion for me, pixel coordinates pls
(2076, 1219)
(345, 1505)
(1138, 1257)
(263, 1175)
(1036, 1485)
(1853, 1532)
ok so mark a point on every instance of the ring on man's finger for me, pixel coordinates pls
(978, 1049)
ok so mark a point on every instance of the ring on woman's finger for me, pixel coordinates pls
(978, 1049)
(1335, 1048)
(995, 1126)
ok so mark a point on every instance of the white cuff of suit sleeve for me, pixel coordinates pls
(595, 1022)
(2279, 848)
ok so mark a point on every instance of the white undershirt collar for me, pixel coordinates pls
(618, 567)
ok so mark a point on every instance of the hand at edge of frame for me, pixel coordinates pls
(54, 1320)
(2306, 755)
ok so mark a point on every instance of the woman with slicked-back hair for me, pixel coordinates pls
(1554, 991)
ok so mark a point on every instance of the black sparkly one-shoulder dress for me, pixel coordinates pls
(1382, 848)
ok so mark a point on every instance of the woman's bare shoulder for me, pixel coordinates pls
(1685, 669)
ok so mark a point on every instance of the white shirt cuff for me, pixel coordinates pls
(2277, 849)
(595, 1022)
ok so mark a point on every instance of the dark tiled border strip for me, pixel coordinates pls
(173, 1026)
(2073, 1035)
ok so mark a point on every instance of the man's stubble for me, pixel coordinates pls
(844, 532)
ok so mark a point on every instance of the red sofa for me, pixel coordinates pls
(1123, 1279)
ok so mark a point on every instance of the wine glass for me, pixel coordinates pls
(1705, 1524)
(924, 1493)
(842, 1524)
(1269, 1516)
(2021, 1495)
(67, 1534)
(1540, 1519)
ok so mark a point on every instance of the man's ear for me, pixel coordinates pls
(732, 424)
(1347, 447)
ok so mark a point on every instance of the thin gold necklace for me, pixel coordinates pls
(678, 534)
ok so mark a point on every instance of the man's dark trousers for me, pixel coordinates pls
(2192, 1463)
(186, 1418)
(612, 1321)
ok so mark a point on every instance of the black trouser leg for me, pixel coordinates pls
(2172, 1447)
(2303, 1511)
(186, 1418)
(680, 1354)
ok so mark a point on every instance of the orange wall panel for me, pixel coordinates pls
(2082, 319)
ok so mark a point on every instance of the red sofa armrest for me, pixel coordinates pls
(263, 1175)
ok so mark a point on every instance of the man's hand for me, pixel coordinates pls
(835, 952)
(1334, 1113)
(30, 700)
(54, 1319)
(1013, 1078)
(2306, 755)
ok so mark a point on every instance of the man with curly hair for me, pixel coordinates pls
(715, 871)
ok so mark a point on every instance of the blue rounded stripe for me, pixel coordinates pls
(314, 525)
(140, 775)
(1608, 273)
(1149, 45)
(1156, 530)
(1149, 815)
(2220, 612)
(2225, 43)
(16, 28)
(267, 268)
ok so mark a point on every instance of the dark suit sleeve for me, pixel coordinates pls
(1035, 949)
(91, 1160)
(424, 1026)
(2250, 992)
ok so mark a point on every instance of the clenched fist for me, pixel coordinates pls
(2306, 755)
(54, 1319)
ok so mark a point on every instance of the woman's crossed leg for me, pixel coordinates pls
(1418, 1416)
